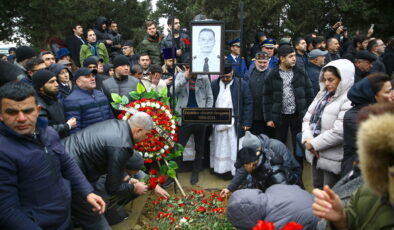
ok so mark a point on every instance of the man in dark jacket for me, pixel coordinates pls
(36, 173)
(151, 43)
(105, 148)
(92, 63)
(333, 50)
(316, 61)
(116, 38)
(47, 88)
(388, 58)
(74, 43)
(376, 47)
(267, 160)
(301, 55)
(85, 103)
(287, 94)
(129, 51)
(101, 32)
(180, 39)
(363, 63)
(229, 92)
(121, 83)
(257, 76)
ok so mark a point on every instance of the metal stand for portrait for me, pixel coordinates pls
(240, 81)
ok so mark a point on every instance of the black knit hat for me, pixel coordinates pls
(24, 52)
(136, 162)
(92, 60)
(41, 77)
(8, 72)
(284, 50)
(120, 60)
(247, 155)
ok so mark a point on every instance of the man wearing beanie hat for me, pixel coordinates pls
(259, 156)
(224, 137)
(287, 94)
(23, 54)
(85, 103)
(9, 72)
(121, 83)
(47, 88)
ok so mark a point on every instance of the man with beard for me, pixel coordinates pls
(144, 61)
(151, 43)
(301, 57)
(116, 38)
(85, 103)
(47, 88)
(223, 146)
(179, 38)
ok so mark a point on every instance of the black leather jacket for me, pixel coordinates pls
(103, 148)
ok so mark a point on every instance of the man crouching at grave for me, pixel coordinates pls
(267, 161)
(105, 148)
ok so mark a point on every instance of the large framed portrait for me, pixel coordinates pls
(207, 47)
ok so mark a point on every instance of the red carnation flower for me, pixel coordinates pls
(162, 179)
(153, 172)
(187, 42)
(292, 226)
(264, 225)
(201, 209)
(153, 182)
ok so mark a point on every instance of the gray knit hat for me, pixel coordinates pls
(250, 140)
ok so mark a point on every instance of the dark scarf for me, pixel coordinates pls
(93, 47)
(315, 122)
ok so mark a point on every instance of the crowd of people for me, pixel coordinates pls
(63, 152)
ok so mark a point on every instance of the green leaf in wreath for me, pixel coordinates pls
(125, 100)
(140, 88)
(171, 173)
(116, 98)
(163, 169)
(135, 95)
(172, 165)
(148, 95)
(163, 92)
(155, 95)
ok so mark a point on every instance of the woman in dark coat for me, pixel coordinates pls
(375, 88)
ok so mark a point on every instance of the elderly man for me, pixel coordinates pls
(363, 63)
(85, 103)
(36, 173)
(105, 148)
(316, 62)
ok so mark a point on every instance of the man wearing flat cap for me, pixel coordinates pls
(93, 63)
(85, 103)
(239, 63)
(287, 94)
(363, 62)
(316, 61)
(47, 88)
(224, 137)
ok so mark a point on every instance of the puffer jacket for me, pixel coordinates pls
(273, 94)
(279, 204)
(35, 179)
(88, 107)
(274, 148)
(103, 148)
(329, 143)
(151, 46)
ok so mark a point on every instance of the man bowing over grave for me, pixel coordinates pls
(224, 137)
(105, 148)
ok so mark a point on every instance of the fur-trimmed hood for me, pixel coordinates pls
(376, 148)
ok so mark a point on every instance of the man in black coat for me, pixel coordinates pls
(105, 148)
(44, 82)
(287, 94)
(74, 43)
(363, 63)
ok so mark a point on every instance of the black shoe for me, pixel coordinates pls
(194, 178)
(170, 181)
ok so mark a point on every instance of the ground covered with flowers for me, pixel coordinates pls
(199, 209)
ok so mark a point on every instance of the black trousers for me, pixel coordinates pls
(260, 127)
(184, 133)
(294, 121)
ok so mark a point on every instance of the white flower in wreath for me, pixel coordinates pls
(146, 154)
(143, 104)
(170, 116)
(163, 108)
(148, 104)
(162, 151)
(173, 126)
(137, 106)
(150, 155)
(157, 105)
(173, 131)
(166, 147)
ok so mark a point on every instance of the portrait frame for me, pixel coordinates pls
(203, 53)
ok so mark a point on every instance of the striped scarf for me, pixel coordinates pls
(315, 122)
